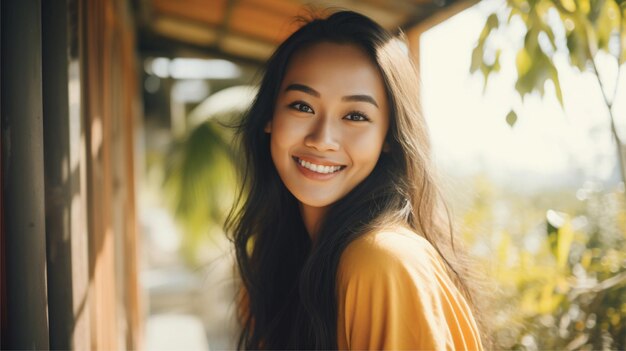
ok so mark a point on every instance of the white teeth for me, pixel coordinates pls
(319, 168)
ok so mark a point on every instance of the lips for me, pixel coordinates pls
(321, 168)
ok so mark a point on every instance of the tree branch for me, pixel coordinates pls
(609, 105)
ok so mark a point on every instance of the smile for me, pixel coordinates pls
(321, 169)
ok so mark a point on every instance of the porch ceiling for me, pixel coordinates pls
(250, 29)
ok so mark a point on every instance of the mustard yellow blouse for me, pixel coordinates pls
(394, 293)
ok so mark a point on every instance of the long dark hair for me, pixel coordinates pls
(289, 298)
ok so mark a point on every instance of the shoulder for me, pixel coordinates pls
(394, 292)
(388, 252)
(388, 241)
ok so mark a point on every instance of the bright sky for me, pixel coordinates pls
(546, 147)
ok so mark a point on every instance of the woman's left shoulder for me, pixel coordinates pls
(391, 252)
(394, 292)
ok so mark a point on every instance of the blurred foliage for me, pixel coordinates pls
(584, 27)
(579, 29)
(560, 264)
(200, 183)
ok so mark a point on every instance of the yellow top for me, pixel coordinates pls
(394, 293)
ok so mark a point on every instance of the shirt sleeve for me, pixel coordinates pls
(394, 293)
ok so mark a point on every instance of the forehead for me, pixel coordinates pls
(335, 67)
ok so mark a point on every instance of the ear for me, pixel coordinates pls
(268, 127)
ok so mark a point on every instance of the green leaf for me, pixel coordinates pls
(590, 36)
(493, 22)
(486, 71)
(530, 40)
(523, 62)
(554, 76)
(569, 5)
(477, 58)
(542, 8)
(511, 118)
(577, 53)
(565, 237)
(595, 9)
(584, 6)
(490, 24)
(606, 23)
(533, 71)
(496, 64)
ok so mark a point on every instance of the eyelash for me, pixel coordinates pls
(362, 117)
(299, 105)
(294, 105)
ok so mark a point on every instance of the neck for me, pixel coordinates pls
(312, 217)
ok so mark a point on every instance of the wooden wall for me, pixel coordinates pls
(110, 100)
(69, 238)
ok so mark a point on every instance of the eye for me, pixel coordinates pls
(301, 107)
(356, 116)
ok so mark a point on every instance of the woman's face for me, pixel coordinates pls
(330, 122)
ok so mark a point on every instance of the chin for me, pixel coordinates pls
(316, 202)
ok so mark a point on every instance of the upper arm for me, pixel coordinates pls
(393, 294)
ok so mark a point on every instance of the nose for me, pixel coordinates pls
(322, 136)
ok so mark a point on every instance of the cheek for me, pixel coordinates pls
(285, 131)
(284, 136)
(366, 147)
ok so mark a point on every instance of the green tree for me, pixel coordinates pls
(581, 29)
(200, 182)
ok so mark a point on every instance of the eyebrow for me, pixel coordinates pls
(308, 90)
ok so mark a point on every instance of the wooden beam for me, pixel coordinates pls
(261, 23)
(208, 12)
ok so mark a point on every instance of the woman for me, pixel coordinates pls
(339, 235)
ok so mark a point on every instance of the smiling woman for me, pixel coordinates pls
(342, 239)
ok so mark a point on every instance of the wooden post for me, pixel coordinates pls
(97, 61)
(23, 176)
(110, 97)
(131, 232)
(66, 229)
